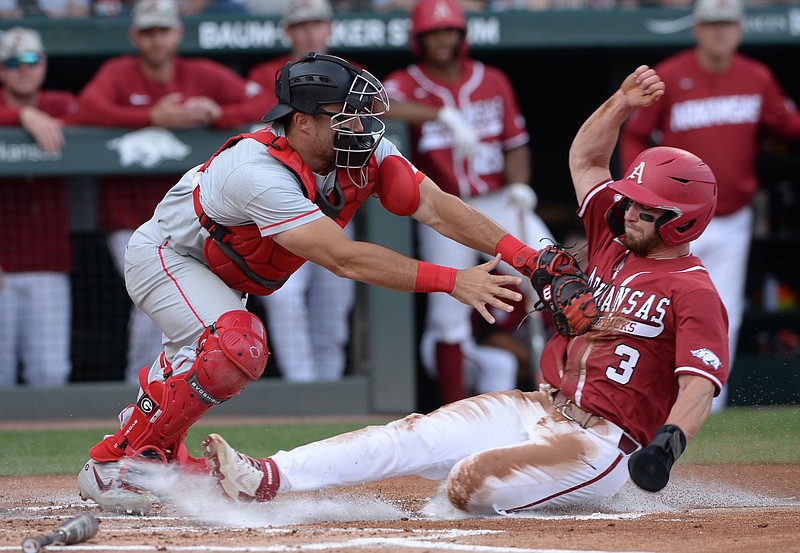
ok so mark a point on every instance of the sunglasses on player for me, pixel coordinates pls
(26, 58)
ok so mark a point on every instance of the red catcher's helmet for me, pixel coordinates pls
(672, 179)
(433, 15)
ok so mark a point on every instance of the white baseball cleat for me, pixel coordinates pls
(242, 478)
(103, 484)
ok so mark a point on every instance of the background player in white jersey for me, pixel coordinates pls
(308, 319)
(717, 104)
(467, 133)
(645, 373)
(248, 218)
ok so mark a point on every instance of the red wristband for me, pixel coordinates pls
(517, 254)
(435, 278)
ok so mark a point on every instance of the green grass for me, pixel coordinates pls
(40, 452)
(760, 435)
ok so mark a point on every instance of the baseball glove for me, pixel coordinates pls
(564, 291)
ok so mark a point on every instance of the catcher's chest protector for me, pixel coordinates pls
(255, 264)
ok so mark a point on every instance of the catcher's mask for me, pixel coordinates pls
(434, 15)
(671, 179)
(316, 80)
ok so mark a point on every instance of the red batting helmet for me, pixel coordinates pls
(433, 15)
(672, 179)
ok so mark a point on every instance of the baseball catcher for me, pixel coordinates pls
(244, 222)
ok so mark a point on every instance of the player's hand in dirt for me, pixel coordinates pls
(477, 287)
(650, 467)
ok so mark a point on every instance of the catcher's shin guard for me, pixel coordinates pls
(231, 352)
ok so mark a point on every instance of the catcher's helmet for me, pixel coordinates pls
(433, 15)
(317, 80)
(671, 179)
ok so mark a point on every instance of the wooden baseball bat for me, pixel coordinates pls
(76, 530)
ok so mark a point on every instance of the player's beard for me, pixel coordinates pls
(640, 244)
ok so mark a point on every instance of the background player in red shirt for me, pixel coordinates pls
(36, 250)
(309, 317)
(468, 134)
(156, 87)
(717, 104)
(645, 372)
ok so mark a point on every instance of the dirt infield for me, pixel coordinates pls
(705, 509)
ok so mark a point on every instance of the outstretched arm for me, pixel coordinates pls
(374, 264)
(451, 217)
(551, 269)
(590, 154)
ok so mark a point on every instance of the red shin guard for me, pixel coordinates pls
(231, 353)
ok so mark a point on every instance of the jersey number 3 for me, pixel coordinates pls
(629, 357)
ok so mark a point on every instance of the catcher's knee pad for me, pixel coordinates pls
(231, 352)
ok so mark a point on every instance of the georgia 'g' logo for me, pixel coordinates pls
(146, 404)
(708, 357)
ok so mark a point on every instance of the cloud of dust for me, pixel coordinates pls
(197, 496)
(631, 502)
(691, 493)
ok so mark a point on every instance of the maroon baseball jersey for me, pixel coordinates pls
(660, 318)
(486, 99)
(717, 117)
(120, 95)
(34, 212)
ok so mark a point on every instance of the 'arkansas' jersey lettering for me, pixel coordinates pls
(711, 112)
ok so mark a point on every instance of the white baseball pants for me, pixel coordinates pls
(499, 453)
(179, 293)
(308, 321)
(447, 319)
(35, 327)
(724, 248)
(144, 337)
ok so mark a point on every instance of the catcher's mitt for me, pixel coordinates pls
(564, 290)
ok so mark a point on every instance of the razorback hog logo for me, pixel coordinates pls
(148, 147)
(708, 357)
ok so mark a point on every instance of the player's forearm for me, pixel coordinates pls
(107, 115)
(465, 224)
(373, 264)
(693, 405)
(412, 113)
(595, 141)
